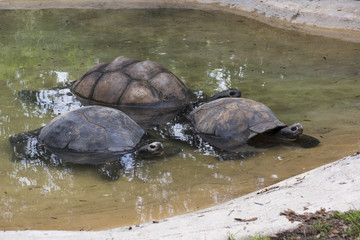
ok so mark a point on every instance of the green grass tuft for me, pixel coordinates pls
(232, 236)
(322, 227)
(352, 218)
(257, 237)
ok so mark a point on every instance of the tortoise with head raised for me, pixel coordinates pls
(230, 123)
(95, 134)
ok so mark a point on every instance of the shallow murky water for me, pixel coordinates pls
(306, 79)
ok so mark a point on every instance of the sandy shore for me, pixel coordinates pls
(333, 186)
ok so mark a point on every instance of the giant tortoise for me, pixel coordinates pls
(230, 123)
(142, 89)
(94, 134)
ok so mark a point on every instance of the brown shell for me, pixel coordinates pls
(236, 119)
(130, 82)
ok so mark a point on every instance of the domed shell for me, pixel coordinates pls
(130, 82)
(92, 129)
(236, 119)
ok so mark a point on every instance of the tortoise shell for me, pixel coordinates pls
(133, 83)
(234, 119)
(92, 129)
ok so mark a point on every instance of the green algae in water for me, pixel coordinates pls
(306, 79)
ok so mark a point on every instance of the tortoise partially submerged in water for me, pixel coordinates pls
(103, 137)
(131, 82)
(95, 134)
(230, 123)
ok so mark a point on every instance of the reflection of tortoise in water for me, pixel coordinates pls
(94, 134)
(128, 82)
(230, 123)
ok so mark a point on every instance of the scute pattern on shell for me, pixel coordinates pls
(92, 129)
(130, 82)
(234, 119)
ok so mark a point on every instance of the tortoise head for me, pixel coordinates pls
(234, 93)
(151, 150)
(290, 133)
